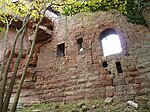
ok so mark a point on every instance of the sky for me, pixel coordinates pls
(111, 45)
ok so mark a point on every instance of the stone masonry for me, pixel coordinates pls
(84, 74)
(68, 63)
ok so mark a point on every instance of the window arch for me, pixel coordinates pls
(110, 42)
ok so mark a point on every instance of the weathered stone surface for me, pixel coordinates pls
(132, 103)
(80, 74)
(27, 95)
(133, 73)
(37, 110)
(110, 91)
(148, 76)
(108, 100)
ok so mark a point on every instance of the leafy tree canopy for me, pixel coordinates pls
(130, 8)
(20, 8)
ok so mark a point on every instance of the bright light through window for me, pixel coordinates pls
(14, 0)
(111, 45)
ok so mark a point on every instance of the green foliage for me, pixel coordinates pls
(20, 9)
(1, 29)
(93, 105)
(95, 5)
(130, 8)
(134, 8)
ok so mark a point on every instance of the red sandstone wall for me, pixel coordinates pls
(11, 36)
(80, 75)
(27, 95)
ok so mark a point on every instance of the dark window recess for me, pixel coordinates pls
(107, 32)
(119, 68)
(61, 50)
(104, 64)
(109, 72)
(80, 44)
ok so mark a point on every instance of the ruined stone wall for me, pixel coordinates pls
(11, 37)
(82, 74)
(27, 95)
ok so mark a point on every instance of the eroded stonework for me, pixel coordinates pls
(81, 74)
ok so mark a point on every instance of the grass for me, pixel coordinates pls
(96, 105)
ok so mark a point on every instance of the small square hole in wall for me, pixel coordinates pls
(119, 68)
(61, 50)
(109, 72)
(80, 44)
(104, 64)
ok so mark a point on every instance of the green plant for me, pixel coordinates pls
(130, 8)
(1, 29)
(94, 105)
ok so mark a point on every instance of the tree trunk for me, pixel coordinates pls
(3, 57)
(146, 15)
(25, 69)
(12, 82)
(4, 81)
(13, 108)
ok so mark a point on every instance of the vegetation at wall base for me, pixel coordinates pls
(92, 105)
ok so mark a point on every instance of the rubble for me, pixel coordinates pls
(132, 103)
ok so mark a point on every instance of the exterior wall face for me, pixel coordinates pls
(81, 74)
(11, 37)
(27, 95)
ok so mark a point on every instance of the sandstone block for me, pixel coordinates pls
(137, 80)
(148, 76)
(37, 110)
(129, 80)
(108, 100)
(137, 86)
(133, 73)
(119, 81)
(110, 91)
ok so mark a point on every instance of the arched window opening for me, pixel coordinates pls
(110, 42)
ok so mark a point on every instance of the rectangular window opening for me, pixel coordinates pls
(80, 44)
(109, 72)
(119, 68)
(61, 50)
(104, 64)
